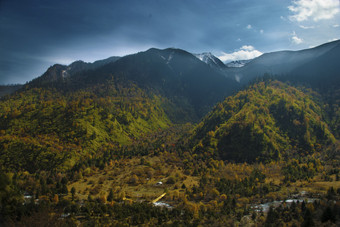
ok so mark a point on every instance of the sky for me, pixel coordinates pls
(36, 34)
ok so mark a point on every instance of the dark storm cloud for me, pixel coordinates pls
(36, 34)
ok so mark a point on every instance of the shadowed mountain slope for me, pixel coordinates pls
(316, 66)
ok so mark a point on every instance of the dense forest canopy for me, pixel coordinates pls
(265, 121)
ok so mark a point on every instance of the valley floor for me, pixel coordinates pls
(194, 193)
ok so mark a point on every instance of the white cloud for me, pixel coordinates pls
(249, 26)
(295, 39)
(261, 31)
(247, 48)
(304, 10)
(336, 26)
(306, 27)
(246, 52)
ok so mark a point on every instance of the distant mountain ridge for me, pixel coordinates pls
(310, 65)
(59, 72)
(315, 67)
(287, 65)
(173, 73)
(79, 66)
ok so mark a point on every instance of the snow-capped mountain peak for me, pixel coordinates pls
(210, 59)
(206, 57)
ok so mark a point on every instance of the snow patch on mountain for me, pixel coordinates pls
(211, 60)
(207, 58)
(237, 64)
(170, 57)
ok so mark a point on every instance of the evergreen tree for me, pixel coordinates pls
(308, 219)
(272, 217)
(73, 192)
(110, 196)
(327, 215)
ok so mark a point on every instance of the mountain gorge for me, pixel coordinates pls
(77, 110)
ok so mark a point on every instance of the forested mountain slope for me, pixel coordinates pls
(266, 121)
(42, 128)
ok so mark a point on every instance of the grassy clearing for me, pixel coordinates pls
(324, 185)
(130, 179)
